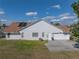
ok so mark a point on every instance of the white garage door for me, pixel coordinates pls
(61, 37)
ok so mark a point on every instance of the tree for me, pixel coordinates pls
(57, 23)
(75, 7)
(75, 27)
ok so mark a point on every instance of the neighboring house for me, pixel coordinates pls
(35, 31)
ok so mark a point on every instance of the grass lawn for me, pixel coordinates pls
(21, 49)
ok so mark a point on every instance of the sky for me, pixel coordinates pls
(32, 10)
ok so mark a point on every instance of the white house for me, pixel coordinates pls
(40, 29)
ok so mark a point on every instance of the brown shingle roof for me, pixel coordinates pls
(12, 28)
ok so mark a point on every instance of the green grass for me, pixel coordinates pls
(21, 44)
(27, 45)
(23, 49)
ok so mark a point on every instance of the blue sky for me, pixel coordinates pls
(25, 10)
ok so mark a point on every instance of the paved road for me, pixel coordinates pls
(61, 45)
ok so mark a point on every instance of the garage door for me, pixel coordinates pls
(61, 37)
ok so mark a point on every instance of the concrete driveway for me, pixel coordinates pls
(59, 45)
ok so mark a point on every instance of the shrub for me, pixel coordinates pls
(41, 39)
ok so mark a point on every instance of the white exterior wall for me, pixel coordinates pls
(13, 37)
(39, 27)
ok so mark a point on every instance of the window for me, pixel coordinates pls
(34, 34)
(66, 33)
(43, 34)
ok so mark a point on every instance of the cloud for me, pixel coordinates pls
(76, 20)
(60, 18)
(3, 20)
(56, 6)
(66, 16)
(51, 19)
(48, 17)
(31, 13)
(2, 12)
(55, 20)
